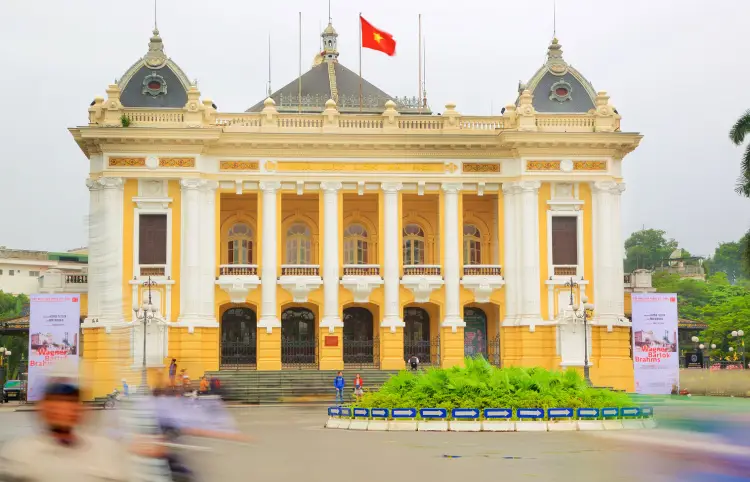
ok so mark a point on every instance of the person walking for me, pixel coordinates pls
(358, 386)
(338, 384)
(172, 372)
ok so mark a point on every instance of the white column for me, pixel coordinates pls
(190, 251)
(510, 262)
(331, 240)
(105, 249)
(452, 274)
(269, 268)
(391, 254)
(608, 269)
(208, 252)
(530, 309)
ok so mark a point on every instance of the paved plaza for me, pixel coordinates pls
(290, 444)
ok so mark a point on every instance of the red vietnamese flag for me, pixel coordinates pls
(375, 39)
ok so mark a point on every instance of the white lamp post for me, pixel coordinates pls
(581, 313)
(145, 314)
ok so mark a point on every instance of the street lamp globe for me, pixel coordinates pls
(584, 299)
(734, 333)
(136, 307)
(731, 348)
(701, 346)
(575, 307)
(694, 339)
(8, 353)
(713, 346)
(2, 350)
(740, 333)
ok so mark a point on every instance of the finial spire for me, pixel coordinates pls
(155, 57)
(155, 24)
(329, 12)
(554, 18)
(269, 64)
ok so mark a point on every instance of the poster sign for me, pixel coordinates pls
(655, 356)
(54, 323)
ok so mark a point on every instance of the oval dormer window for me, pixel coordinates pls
(560, 91)
(154, 85)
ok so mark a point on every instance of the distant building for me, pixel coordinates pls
(685, 266)
(23, 271)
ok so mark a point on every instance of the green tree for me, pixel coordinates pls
(10, 307)
(646, 249)
(728, 258)
(737, 135)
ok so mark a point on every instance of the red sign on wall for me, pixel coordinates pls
(332, 341)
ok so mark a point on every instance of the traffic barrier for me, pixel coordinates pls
(433, 420)
(491, 419)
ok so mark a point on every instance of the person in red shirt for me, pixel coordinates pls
(357, 386)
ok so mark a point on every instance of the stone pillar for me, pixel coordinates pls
(530, 308)
(608, 268)
(190, 252)
(510, 262)
(208, 253)
(392, 325)
(452, 327)
(269, 340)
(105, 250)
(331, 357)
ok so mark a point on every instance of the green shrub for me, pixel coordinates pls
(481, 385)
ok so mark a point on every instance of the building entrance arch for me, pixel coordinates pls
(360, 343)
(417, 341)
(475, 332)
(239, 346)
(299, 340)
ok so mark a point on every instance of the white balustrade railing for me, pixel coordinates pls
(483, 270)
(422, 270)
(300, 270)
(238, 270)
(361, 270)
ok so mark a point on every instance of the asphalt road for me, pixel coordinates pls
(290, 444)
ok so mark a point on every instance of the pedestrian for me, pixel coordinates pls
(172, 372)
(125, 387)
(338, 384)
(61, 450)
(215, 385)
(414, 363)
(203, 387)
(185, 380)
(358, 386)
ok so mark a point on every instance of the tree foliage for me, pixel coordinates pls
(723, 306)
(481, 385)
(729, 258)
(10, 307)
(647, 248)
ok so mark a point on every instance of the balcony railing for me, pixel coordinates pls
(238, 270)
(153, 270)
(74, 279)
(565, 270)
(422, 270)
(483, 270)
(361, 270)
(300, 270)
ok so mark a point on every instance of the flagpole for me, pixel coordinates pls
(299, 77)
(419, 97)
(360, 61)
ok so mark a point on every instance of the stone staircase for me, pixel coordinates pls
(293, 386)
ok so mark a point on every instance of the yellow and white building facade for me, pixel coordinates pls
(325, 227)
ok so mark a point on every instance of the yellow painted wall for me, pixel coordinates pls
(584, 193)
(611, 358)
(522, 347)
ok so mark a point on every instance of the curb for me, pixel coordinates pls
(485, 425)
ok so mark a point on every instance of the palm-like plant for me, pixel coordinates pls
(737, 134)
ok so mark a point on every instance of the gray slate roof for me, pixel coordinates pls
(558, 72)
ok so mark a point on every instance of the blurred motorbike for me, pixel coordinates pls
(112, 399)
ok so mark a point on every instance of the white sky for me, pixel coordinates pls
(676, 70)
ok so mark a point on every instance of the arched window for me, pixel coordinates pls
(298, 244)
(472, 245)
(355, 244)
(240, 244)
(413, 244)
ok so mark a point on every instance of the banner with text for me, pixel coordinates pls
(54, 323)
(655, 356)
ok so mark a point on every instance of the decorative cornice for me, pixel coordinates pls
(589, 165)
(543, 165)
(105, 183)
(127, 162)
(391, 187)
(271, 186)
(451, 187)
(481, 167)
(238, 165)
(293, 166)
(176, 162)
(330, 186)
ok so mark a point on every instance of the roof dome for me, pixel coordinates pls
(329, 79)
(154, 80)
(558, 87)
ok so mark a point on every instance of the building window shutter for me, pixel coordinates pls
(152, 239)
(564, 240)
